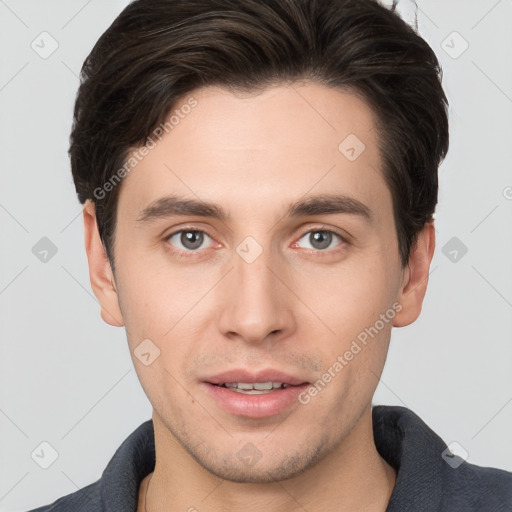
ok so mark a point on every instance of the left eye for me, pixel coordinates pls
(190, 240)
(320, 239)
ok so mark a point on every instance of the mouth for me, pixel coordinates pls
(254, 395)
(256, 388)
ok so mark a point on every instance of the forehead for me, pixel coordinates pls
(281, 117)
(243, 149)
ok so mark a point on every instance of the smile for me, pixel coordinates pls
(255, 388)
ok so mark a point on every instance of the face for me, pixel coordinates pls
(299, 269)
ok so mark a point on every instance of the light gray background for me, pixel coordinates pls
(67, 378)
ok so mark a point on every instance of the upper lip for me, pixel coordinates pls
(244, 375)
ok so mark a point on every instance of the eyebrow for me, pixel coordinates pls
(324, 204)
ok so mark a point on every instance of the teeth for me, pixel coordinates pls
(243, 385)
(262, 385)
(256, 388)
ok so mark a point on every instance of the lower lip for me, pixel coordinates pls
(255, 406)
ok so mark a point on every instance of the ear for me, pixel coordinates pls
(100, 272)
(415, 277)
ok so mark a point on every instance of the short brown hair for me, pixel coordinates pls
(157, 51)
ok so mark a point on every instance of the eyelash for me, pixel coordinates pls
(192, 253)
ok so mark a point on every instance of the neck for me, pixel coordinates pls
(363, 481)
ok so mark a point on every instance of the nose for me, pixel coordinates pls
(256, 303)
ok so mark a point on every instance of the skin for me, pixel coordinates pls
(296, 308)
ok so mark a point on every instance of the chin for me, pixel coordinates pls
(250, 466)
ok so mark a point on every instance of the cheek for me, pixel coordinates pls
(352, 304)
(167, 306)
(354, 296)
(155, 295)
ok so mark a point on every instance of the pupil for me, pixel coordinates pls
(322, 237)
(187, 239)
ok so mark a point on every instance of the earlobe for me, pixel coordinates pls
(415, 277)
(100, 271)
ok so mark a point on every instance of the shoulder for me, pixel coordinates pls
(86, 499)
(478, 487)
(118, 487)
(429, 476)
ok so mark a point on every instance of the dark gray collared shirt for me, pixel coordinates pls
(429, 478)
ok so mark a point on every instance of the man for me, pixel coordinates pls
(259, 180)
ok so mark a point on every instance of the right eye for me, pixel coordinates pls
(187, 240)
